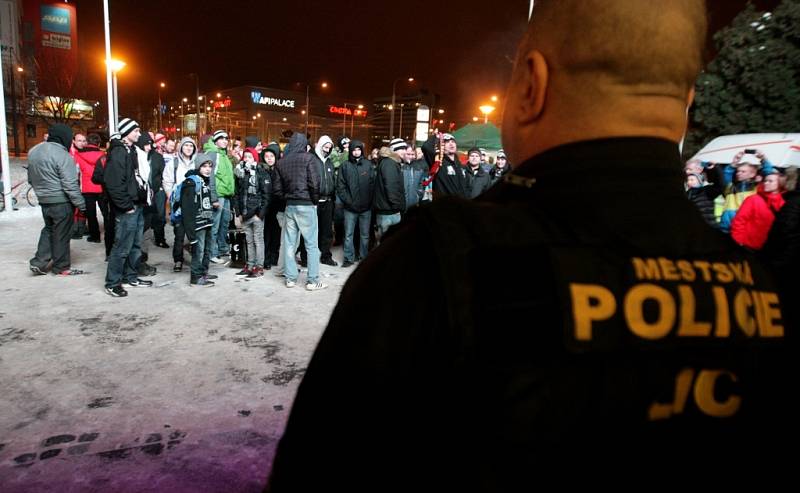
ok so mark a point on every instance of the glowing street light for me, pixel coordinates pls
(475, 118)
(494, 99)
(486, 110)
(115, 66)
(394, 104)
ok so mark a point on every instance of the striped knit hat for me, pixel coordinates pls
(397, 145)
(126, 126)
(219, 134)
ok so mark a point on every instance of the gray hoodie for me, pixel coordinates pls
(176, 172)
(54, 175)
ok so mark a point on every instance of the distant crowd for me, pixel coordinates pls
(750, 199)
(303, 197)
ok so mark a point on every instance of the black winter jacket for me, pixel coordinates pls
(120, 178)
(703, 199)
(197, 209)
(479, 181)
(390, 197)
(451, 179)
(253, 191)
(298, 173)
(355, 183)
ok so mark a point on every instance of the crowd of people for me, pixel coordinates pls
(752, 200)
(305, 197)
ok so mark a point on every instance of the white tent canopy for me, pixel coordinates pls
(781, 149)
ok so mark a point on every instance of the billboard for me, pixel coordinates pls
(51, 44)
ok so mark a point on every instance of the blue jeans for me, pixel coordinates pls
(350, 219)
(300, 219)
(200, 253)
(219, 228)
(127, 249)
(384, 221)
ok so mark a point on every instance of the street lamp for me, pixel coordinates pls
(160, 86)
(494, 99)
(394, 97)
(115, 66)
(352, 120)
(324, 85)
(486, 109)
(344, 116)
(183, 120)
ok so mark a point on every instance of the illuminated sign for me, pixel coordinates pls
(258, 98)
(226, 103)
(57, 41)
(338, 110)
(55, 20)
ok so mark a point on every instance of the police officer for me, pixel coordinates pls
(579, 321)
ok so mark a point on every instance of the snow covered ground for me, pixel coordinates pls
(174, 388)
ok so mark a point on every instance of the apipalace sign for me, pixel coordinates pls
(268, 101)
(55, 20)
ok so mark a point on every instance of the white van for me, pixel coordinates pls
(782, 150)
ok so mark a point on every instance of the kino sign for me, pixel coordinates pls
(268, 101)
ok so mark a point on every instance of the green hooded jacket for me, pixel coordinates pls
(222, 183)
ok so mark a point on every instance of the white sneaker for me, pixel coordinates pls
(315, 286)
(290, 284)
(218, 260)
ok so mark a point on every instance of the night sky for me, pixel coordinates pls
(461, 50)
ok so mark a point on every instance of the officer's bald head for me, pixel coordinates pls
(603, 68)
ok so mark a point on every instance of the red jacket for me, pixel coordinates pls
(86, 160)
(752, 223)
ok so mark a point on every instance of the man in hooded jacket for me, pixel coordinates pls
(355, 187)
(298, 183)
(325, 206)
(54, 177)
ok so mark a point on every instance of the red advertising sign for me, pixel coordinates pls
(340, 110)
(225, 103)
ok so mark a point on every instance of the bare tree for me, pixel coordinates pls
(58, 88)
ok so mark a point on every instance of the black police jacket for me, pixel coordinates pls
(578, 322)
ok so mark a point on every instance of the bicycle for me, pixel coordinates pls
(16, 191)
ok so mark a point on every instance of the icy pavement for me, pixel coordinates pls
(174, 388)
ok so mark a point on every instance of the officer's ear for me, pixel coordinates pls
(534, 78)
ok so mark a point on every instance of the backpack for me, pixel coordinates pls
(176, 213)
(97, 174)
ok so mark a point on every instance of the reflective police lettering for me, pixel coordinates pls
(590, 303)
(664, 269)
(705, 395)
(674, 310)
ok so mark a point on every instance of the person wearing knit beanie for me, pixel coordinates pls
(397, 145)
(255, 143)
(126, 127)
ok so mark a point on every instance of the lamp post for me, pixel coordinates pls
(13, 79)
(115, 66)
(486, 109)
(324, 85)
(160, 86)
(112, 121)
(352, 115)
(183, 120)
(197, 95)
(394, 97)
(352, 120)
